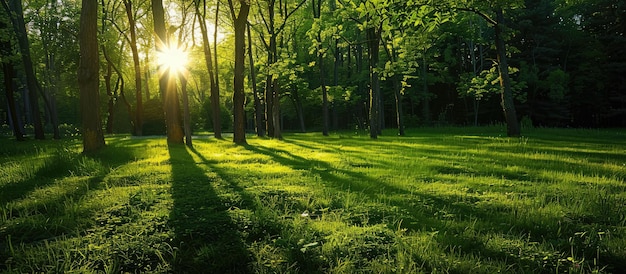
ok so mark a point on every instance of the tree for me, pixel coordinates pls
(499, 25)
(274, 29)
(88, 78)
(14, 9)
(128, 7)
(240, 20)
(8, 71)
(212, 72)
(259, 116)
(317, 12)
(167, 87)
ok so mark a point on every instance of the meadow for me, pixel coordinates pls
(440, 200)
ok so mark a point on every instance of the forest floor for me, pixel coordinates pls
(440, 200)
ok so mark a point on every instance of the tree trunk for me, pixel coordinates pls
(320, 61)
(167, 83)
(259, 116)
(508, 104)
(50, 95)
(208, 57)
(240, 21)
(373, 40)
(186, 114)
(138, 129)
(276, 110)
(217, 113)
(399, 113)
(31, 81)
(317, 11)
(8, 71)
(297, 103)
(425, 93)
(88, 77)
(111, 101)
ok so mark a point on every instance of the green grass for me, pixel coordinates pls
(443, 200)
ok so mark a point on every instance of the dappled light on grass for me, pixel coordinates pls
(460, 200)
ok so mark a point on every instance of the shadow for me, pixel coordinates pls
(66, 177)
(449, 216)
(64, 163)
(206, 238)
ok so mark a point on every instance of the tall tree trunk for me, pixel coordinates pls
(8, 71)
(240, 21)
(19, 26)
(167, 83)
(217, 113)
(269, 81)
(138, 130)
(88, 77)
(508, 104)
(373, 41)
(269, 105)
(111, 101)
(258, 107)
(208, 57)
(50, 95)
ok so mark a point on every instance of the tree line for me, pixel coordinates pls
(268, 66)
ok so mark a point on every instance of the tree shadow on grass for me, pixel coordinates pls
(205, 236)
(421, 211)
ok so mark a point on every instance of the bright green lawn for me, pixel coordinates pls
(444, 200)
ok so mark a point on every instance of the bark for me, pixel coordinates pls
(133, 47)
(19, 27)
(508, 105)
(167, 83)
(88, 78)
(240, 22)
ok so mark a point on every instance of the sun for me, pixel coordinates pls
(173, 60)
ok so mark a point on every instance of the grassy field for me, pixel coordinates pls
(443, 200)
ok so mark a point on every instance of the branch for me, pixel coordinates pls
(481, 14)
(232, 10)
(120, 31)
(280, 29)
(267, 26)
(261, 37)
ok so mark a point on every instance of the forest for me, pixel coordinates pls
(313, 136)
(313, 66)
